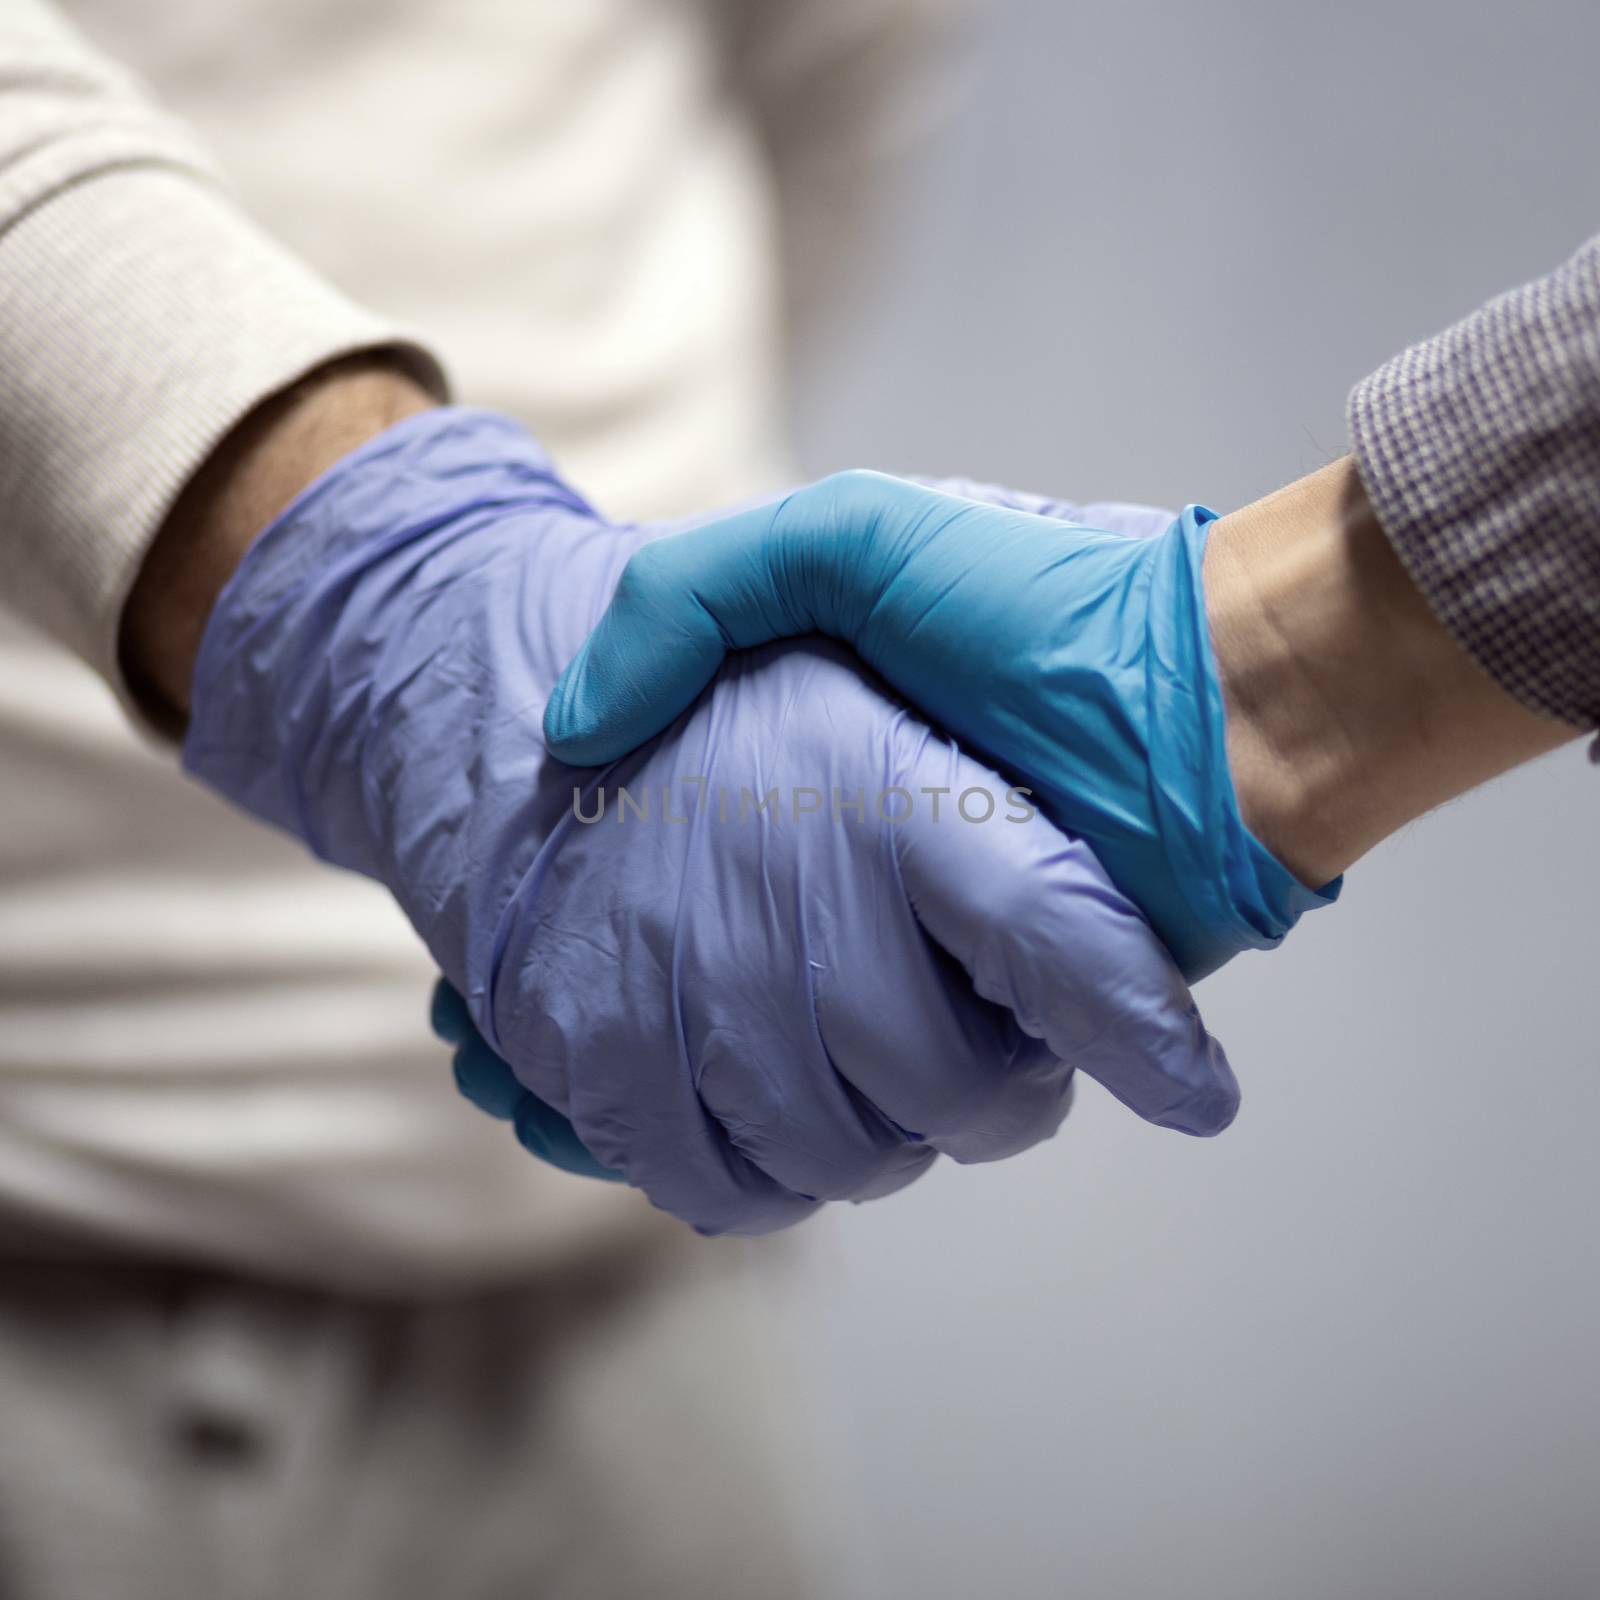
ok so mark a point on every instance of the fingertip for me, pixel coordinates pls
(1155, 1055)
(592, 716)
(569, 734)
(587, 743)
(579, 745)
(1212, 1102)
(447, 1013)
(1044, 933)
(485, 1080)
(615, 695)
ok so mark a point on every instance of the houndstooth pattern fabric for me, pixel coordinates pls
(1480, 452)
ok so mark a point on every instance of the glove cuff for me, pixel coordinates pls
(1254, 899)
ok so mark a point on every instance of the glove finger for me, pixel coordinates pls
(488, 1082)
(751, 1052)
(681, 603)
(922, 1040)
(594, 1019)
(805, 563)
(768, 1073)
(448, 1015)
(1030, 915)
(908, 1047)
(481, 1076)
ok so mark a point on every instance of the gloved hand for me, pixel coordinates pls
(487, 1081)
(751, 999)
(492, 1087)
(1075, 658)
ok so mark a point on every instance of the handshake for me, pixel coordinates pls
(766, 858)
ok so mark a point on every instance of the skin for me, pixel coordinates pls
(283, 445)
(1350, 710)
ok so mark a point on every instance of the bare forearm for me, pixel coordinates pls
(253, 474)
(1351, 710)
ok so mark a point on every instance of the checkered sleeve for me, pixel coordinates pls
(1480, 453)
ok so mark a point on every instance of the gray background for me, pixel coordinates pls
(1349, 1348)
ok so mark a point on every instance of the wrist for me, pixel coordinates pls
(1350, 709)
(282, 446)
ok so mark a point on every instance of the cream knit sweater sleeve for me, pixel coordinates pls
(142, 315)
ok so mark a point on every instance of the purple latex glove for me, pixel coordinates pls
(744, 1011)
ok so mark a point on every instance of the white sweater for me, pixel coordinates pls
(210, 1045)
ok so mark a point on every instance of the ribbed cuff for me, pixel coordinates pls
(142, 316)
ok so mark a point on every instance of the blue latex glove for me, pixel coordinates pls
(1076, 658)
(745, 1012)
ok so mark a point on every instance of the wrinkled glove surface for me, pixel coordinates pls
(746, 993)
(1076, 658)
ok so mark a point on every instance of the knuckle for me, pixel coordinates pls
(648, 571)
(855, 487)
